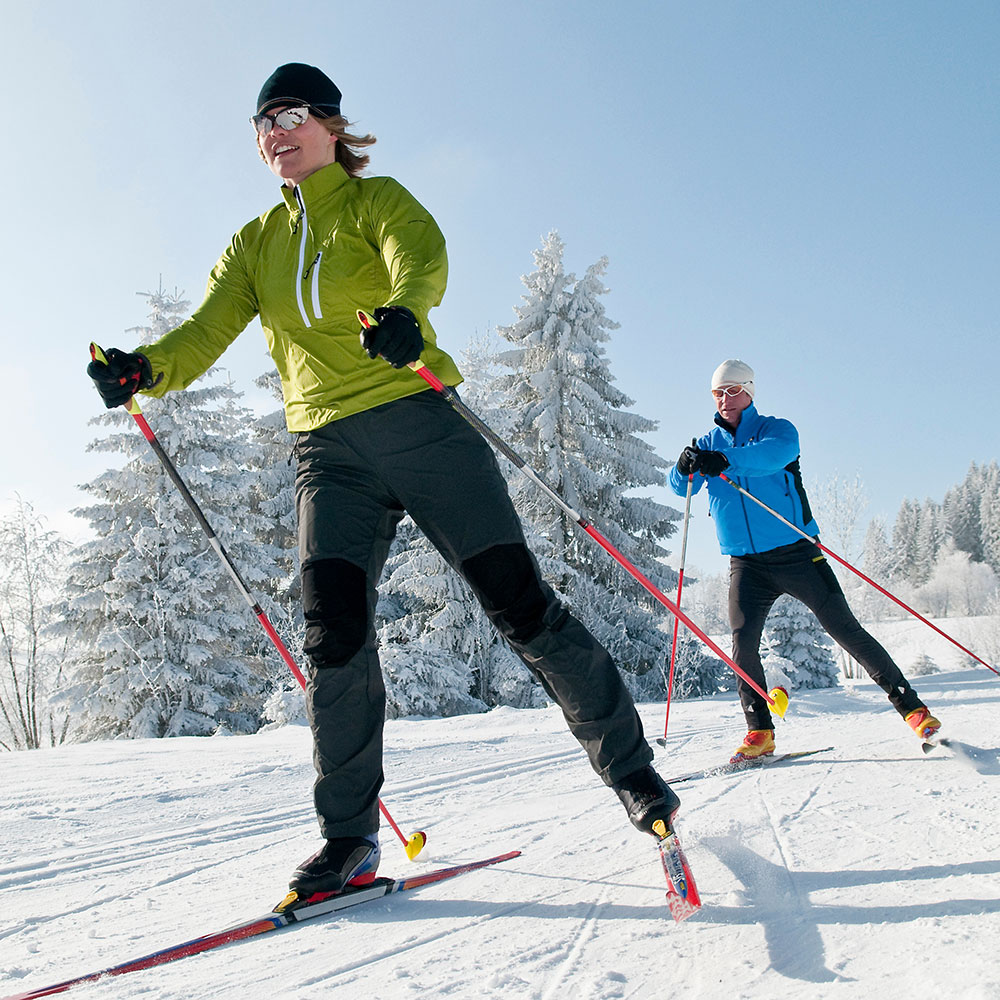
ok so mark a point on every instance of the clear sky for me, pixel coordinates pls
(810, 186)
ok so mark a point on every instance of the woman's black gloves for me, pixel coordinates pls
(397, 336)
(120, 376)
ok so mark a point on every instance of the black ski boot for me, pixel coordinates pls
(343, 861)
(647, 798)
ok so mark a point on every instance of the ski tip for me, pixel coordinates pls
(415, 844)
(780, 698)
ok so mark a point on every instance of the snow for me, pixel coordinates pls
(871, 870)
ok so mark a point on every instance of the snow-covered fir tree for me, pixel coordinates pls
(570, 424)
(165, 631)
(989, 515)
(439, 651)
(428, 635)
(793, 633)
(274, 489)
(962, 513)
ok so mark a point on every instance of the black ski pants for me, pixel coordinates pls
(355, 479)
(800, 569)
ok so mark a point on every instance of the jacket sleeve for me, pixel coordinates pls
(679, 483)
(773, 447)
(190, 349)
(412, 249)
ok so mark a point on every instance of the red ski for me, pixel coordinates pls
(682, 893)
(270, 922)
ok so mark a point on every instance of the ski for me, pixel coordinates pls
(682, 893)
(272, 921)
(744, 765)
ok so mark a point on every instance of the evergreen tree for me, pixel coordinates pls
(904, 541)
(164, 629)
(440, 653)
(930, 535)
(569, 423)
(793, 633)
(281, 596)
(962, 514)
(877, 564)
(989, 516)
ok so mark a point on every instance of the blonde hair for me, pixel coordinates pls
(346, 150)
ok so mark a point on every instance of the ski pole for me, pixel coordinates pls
(452, 397)
(413, 845)
(680, 586)
(855, 570)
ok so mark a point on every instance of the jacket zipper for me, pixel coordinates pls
(302, 258)
(317, 311)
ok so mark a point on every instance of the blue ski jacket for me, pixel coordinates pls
(763, 457)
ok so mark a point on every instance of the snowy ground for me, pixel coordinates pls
(868, 871)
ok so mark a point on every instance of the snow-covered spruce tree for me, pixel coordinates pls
(793, 633)
(904, 541)
(962, 513)
(989, 516)
(164, 630)
(440, 653)
(877, 564)
(281, 598)
(569, 423)
(427, 636)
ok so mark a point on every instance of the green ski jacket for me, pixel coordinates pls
(336, 245)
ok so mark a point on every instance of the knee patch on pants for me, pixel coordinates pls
(335, 605)
(505, 581)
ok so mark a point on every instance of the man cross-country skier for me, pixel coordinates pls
(373, 443)
(768, 558)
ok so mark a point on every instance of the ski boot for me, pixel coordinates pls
(923, 723)
(345, 861)
(648, 799)
(756, 743)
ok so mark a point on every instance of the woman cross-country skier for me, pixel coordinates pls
(373, 443)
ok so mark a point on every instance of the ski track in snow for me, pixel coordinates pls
(812, 874)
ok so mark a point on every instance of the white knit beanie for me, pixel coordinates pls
(733, 372)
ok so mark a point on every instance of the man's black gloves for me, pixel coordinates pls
(687, 462)
(121, 377)
(712, 463)
(397, 336)
(708, 463)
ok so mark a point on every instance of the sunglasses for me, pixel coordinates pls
(728, 390)
(288, 119)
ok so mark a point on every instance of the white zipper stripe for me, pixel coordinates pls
(317, 311)
(302, 258)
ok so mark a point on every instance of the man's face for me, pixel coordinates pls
(731, 400)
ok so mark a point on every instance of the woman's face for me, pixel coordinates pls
(294, 154)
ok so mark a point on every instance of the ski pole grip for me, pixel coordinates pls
(97, 354)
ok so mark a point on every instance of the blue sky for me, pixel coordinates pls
(809, 186)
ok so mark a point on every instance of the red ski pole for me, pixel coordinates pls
(680, 586)
(856, 571)
(452, 397)
(413, 845)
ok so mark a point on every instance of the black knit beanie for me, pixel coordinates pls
(297, 83)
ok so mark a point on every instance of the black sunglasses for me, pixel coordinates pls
(287, 118)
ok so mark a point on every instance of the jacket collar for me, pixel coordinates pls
(748, 419)
(314, 189)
